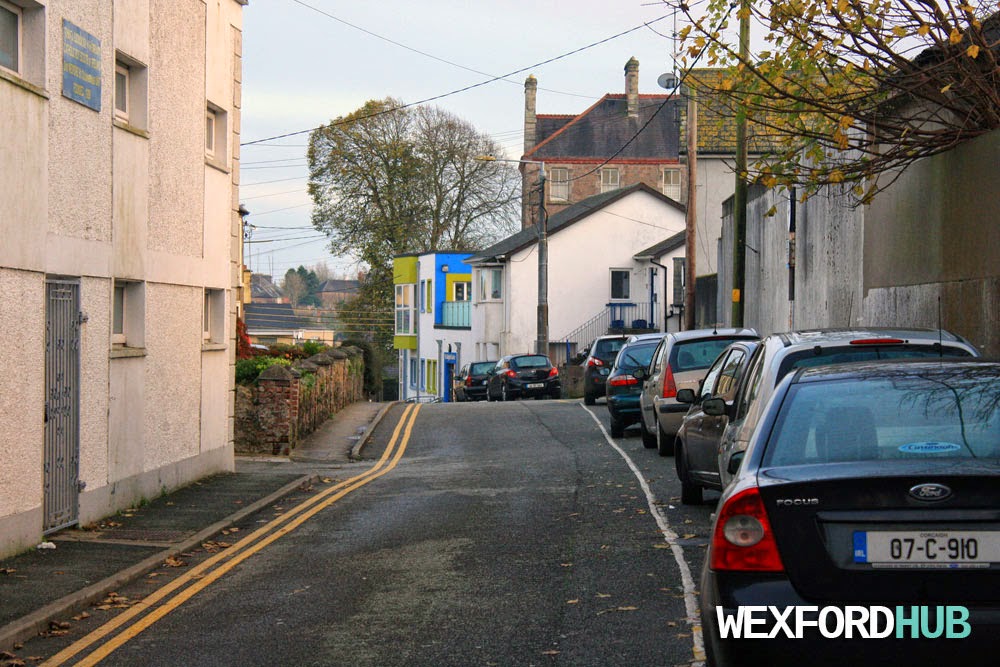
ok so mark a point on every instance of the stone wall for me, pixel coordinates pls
(286, 404)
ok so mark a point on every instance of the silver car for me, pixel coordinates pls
(680, 362)
(778, 354)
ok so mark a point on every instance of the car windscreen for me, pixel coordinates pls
(636, 355)
(888, 419)
(535, 361)
(842, 354)
(696, 355)
(607, 348)
(481, 368)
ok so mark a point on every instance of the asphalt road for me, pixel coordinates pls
(507, 534)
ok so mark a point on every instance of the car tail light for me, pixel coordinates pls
(743, 539)
(594, 361)
(510, 373)
(877, 341)
(669, 386)
(623, 381)
(468, 381)
(554, 372)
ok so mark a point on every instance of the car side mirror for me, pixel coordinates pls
(686, 396)
(640, 374)
(715, 407)
(734, 463)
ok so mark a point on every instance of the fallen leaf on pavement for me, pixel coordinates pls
(7, 570)
(565, 564)
(174, 562)
(572, 601)
(550, 652)
(82, 615)
(688, 536)
(604, 595)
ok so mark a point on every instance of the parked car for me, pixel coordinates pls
(696, 447)
(622, 387)
(600, 357)
(522, 376)
(680, 362)
(864, 484)
(470, 383)
(778, 354)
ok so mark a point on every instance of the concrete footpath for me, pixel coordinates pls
(77, 567)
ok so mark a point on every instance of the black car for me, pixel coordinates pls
(600, 356)
(865, 485)
(470, 383)
(523, 375)
(622, 388)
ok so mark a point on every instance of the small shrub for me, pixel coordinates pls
(311, 347)
(285, 351)
(247, 370)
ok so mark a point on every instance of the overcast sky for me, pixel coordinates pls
(301, 68)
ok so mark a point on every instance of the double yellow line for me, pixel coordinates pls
(203, 574)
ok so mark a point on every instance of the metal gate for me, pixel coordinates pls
(62, 403)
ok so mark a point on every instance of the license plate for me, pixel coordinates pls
(927, 549)
(536, 385)
(605, 371)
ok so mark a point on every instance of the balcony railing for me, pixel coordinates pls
(456, 314)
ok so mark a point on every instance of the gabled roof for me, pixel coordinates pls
(563, 219)
(339, 286)
(663, 247)
(280, 316)
(602, 130)
(261, 287)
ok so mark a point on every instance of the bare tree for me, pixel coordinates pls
(293, 287)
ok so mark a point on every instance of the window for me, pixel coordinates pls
(430, 296)
(404, 310)
(672, 183)
(423, 374)
(432, 376)
(463, 292)
(413, 373)
(490, 284)
(121, 91)
(423, 296)
(620, 283)
(210, 133)
(214, 316)
(610, 179)
(128, 313)
(559, 184)
(10, 37)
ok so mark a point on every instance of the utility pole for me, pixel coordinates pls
(740, 195)
(691, 215)
(542, 344)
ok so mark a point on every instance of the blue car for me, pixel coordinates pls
(622, 388)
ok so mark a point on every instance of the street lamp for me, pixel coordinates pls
(542, 341)
(669, 81)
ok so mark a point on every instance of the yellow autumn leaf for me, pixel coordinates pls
(685, 31)
(842, 6)
(899, 31)
(946, 88)
(955, 37)
(972, 51)
(923, 30)
(836, 176)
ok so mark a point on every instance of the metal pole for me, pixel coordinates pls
(542, 344)
(691, 216)
(740, 195)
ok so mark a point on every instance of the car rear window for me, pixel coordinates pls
(607, 348)
(821, 356)
(890, 419)
(481, 368)
(537, 361)
(636, 355)
(696, 355)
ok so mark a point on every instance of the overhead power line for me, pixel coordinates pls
(466, 88)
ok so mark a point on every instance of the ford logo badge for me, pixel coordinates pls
(930, 492)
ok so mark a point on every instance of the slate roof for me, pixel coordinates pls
(563, 218)
(339, 286)
(277, 316)
(663, 247)
(261, 287)
(717, 121)
(602, 130)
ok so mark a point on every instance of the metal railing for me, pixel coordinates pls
(621, 318)
(456, 314)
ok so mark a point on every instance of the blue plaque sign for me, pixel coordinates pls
(81, 66)
(450, 357)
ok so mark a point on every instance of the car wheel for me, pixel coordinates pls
(489, 395)
(648, 439)
(557, 394)
(617, 427)
(664, 442)
(690, 492)
(589, 399)
(504, 396)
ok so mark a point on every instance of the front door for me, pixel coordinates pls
(62, 404)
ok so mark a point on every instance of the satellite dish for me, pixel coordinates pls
(667, 80)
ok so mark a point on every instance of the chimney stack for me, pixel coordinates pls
(632, 86)
(530, 120)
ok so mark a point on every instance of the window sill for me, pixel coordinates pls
(213, 347)
(216, 164)
(21, 83)
(132, 129)
(125, 352)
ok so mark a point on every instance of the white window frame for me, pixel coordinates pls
(119, 312)
(405, 315)
(671, 189)
(607, 182)
(213, 316)
(413, 372)
(491, 284)
(466, 291)
(628, 284)
(122, 102)
(559, 184)
(19, 38)
(211, 120)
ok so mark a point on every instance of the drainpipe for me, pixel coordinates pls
(665, 315)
